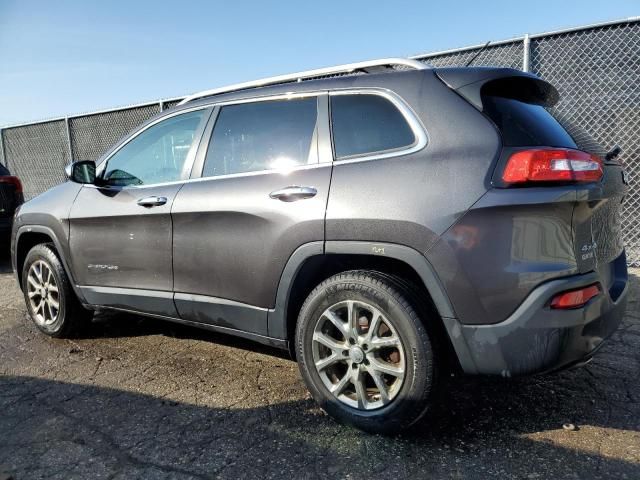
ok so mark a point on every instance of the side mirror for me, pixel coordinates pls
(83, 171)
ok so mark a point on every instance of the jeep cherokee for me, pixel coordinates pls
(384, 221)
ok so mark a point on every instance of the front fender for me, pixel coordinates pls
(61, 248)
(47, 214)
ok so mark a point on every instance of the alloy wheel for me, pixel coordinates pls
(43, 294)
(358, 355)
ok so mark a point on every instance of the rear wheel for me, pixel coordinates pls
(51, 302)
(364, 352)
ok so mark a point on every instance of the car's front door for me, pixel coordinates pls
(263, 193)
(120, 228)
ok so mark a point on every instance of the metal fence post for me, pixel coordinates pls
(3, 155)
(161, 105)
(526, 53)
(67, 127)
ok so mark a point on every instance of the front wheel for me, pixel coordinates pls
(51, 301)
(364, 351)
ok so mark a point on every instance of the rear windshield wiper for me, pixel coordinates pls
(613, 153)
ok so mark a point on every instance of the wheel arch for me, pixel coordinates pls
(27, 237)
(312, 263)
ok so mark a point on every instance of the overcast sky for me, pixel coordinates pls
(65, 57)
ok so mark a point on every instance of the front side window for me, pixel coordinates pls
(251, 137)
(157, 155)
(365, 124)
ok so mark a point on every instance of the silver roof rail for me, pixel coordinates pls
(309, 74)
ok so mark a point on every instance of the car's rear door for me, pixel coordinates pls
(120, 229)
(263, 193)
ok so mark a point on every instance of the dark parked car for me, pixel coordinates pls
(385, 224)
(10, 199)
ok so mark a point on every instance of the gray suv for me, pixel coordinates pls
(385, 221)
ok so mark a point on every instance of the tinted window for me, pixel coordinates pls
(156, 155)
(3, 170)
(364, 124)
(251, 137)
(525, 124)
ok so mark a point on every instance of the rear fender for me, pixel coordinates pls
(277, 317)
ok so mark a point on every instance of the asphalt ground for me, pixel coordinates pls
(141, 398)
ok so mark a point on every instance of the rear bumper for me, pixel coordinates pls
(536, 338)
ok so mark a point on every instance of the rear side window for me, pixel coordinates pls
(258, 136)
(365, 124)
(3, 170)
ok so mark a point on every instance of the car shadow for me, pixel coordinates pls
(56, 429)
(114, 324)
(601, 394)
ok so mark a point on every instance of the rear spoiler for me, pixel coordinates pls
(473, 82)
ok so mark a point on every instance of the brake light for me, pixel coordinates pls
(575, 298)
(552, 165)
(15, 181)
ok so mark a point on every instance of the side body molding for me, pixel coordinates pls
(277, 318)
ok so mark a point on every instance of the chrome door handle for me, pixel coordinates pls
(152, 201)
(293, 193)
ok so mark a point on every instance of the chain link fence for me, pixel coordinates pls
(93, 135)
(508, 54)
(595, 68)
(38, 152)
(597, 72)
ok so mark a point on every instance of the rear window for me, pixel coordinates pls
(525, 124)
(365, 124)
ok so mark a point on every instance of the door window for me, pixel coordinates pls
(158, 154)
(250, 137)
(367, 124)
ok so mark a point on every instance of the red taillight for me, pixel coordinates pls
(552, 165)
(15, 181)
(575, 298)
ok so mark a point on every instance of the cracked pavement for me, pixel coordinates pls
(142, 398)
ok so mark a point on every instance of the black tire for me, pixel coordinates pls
(397, 303)
(71, 315)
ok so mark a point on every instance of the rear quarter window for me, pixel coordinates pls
(366, 124)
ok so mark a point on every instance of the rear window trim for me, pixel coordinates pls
(416, 126)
